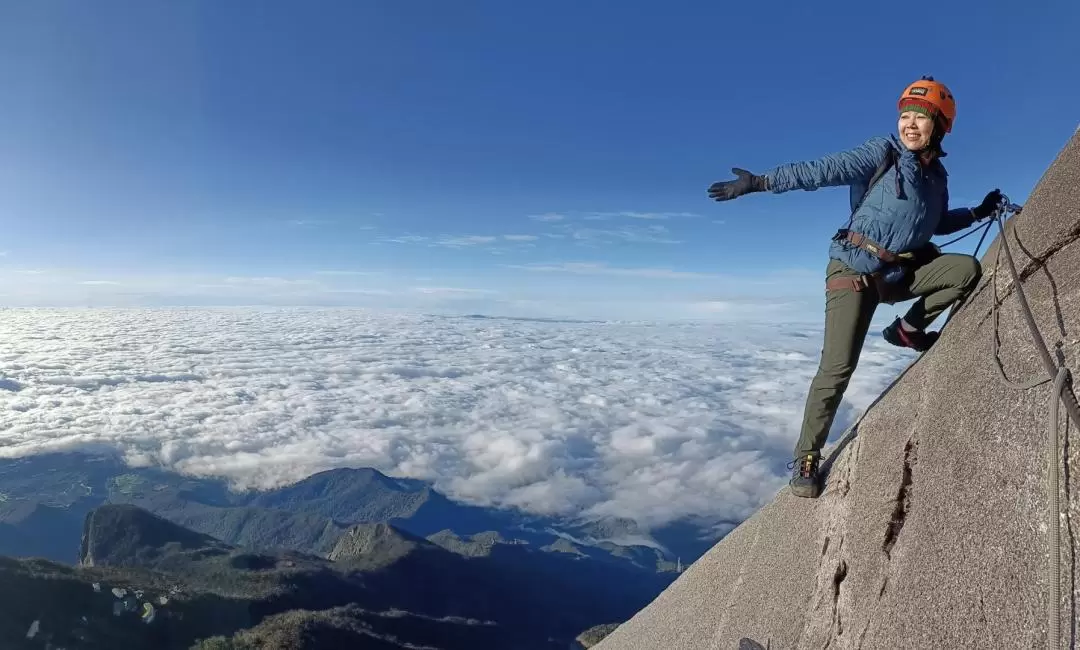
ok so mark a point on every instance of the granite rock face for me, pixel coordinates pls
(933, 530)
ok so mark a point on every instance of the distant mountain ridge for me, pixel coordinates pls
(44, 498)
(410, 547)
(145, 582)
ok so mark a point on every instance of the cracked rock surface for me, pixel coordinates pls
(932, 530)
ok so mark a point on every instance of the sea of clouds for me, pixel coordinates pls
(649, 421)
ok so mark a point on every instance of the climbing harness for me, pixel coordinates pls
(889, 280)
(1062, 392)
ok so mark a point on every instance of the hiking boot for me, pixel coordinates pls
(917, 340)
(804, 480)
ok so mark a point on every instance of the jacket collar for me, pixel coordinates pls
(903, 153)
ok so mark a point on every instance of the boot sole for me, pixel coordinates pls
(806, 492)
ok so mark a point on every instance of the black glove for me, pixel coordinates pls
(744, 184)
(988, 205)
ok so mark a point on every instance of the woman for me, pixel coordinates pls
(900, 199)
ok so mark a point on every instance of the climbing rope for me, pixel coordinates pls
(1054, 636)
(1062, 392)
(995, 312)
(985, 228)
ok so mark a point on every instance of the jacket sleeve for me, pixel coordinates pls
(841, 168)
(955, 219)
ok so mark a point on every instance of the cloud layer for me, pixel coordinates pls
(653, 422)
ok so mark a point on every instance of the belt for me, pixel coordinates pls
(870, 246)
(886, 291)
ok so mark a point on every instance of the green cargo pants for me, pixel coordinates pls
(938, 284)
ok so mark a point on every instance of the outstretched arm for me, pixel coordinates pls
(841, 168)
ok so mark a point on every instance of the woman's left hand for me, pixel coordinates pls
(745, 183)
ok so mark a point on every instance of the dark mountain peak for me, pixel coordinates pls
(489, 537)
(563, 545)
(125, 535)
(377, 544)
(349, 495)
(355, 476)
(596, 634)
(478, 545)
(351, 478)
(610, 528)
(443, 537)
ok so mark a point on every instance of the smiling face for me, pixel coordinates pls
(915, 129)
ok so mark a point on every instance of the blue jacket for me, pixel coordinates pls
(899, 214)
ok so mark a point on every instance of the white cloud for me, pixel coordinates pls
(652, 216)
(548, 217)
(405, 239)
(645, 421)
(31, 271)
(100, 282)
(471, 240)
(655, 234)
(362, 292)
(267, 281)
(714, 306)
(451, 291)
(460, 241)
(311, 222)
(349, 273)
(599, 268)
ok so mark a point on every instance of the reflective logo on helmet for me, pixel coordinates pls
(918, 90)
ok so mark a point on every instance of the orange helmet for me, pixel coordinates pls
(931, 96)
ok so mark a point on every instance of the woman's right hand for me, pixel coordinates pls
(988, 205)
(745, 183)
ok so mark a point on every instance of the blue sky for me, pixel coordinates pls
(542, 159)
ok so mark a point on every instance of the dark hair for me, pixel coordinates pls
(933, 151)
